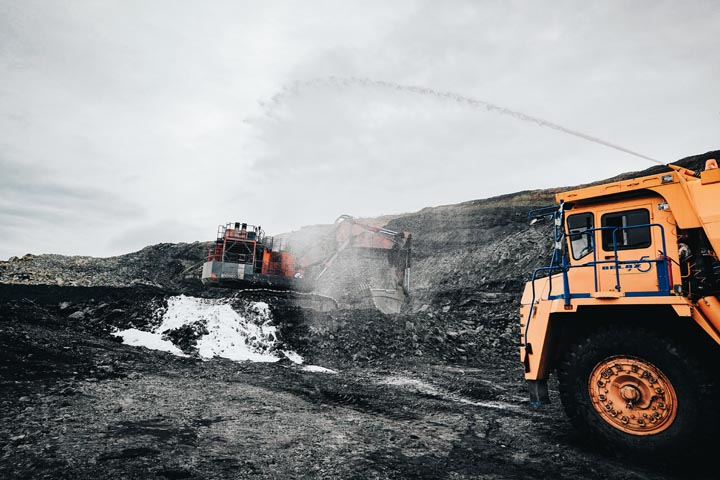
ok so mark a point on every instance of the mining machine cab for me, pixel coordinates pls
(243, 257)
(627, 311)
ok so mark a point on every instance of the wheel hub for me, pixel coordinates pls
(632, 395)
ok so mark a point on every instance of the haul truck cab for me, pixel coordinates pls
(627, 311)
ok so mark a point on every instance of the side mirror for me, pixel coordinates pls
(541, 215)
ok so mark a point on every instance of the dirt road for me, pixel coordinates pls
(84, 406)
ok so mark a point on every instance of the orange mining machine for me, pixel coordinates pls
(627, 311)
(244, 257)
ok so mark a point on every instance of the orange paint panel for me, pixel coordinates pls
(536, 317)
(287, 262)
(707, 201)
(710, 176)
(265, 262)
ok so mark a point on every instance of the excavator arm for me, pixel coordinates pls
(351, 233)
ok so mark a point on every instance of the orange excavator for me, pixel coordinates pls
(243, 257)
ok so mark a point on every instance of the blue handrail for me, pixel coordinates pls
(563, 267)
(557, 212)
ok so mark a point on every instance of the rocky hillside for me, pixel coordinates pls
(165, 265)
(464, 255)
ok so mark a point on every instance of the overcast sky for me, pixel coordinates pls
(127, 123)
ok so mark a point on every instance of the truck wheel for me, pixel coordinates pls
(638, 391)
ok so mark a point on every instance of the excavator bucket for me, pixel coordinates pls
(388, 301)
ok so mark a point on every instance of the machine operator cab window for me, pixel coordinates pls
(629, 229)
(580, 233)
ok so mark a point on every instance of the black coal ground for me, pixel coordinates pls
(431, 394)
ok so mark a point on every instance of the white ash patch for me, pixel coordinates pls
(246, 335)
(318, 369)
(151, 340)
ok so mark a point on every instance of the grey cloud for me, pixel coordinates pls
(34, 192)
(163, 231)
(39, 213)
(118, 118)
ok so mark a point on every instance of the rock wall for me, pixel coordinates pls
(472, 253)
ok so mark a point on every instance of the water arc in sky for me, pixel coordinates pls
(347, 82)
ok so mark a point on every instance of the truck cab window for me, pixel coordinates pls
(631, 229)
(581, 241)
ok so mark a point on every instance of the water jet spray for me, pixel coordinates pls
(348, 82)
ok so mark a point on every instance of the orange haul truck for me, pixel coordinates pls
(627, 311)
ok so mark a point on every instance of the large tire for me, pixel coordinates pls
(638, 391)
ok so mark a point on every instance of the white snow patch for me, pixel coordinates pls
(317, 369)
(420, 386)
(412, 384)
(262, 308)
(293, 357)
(232, 335)
(153, 341)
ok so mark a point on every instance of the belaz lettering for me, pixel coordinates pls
(642, 265)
